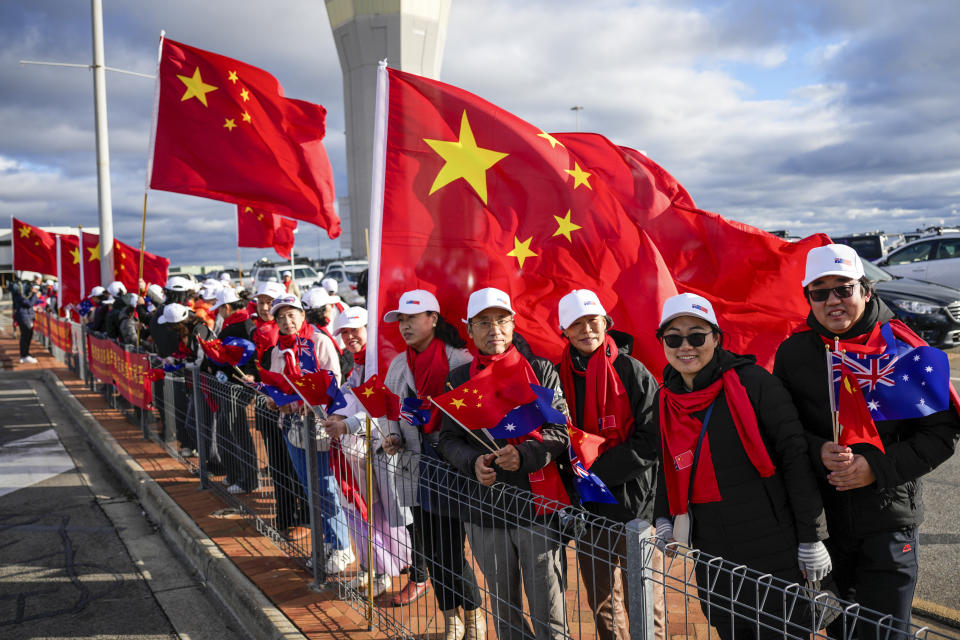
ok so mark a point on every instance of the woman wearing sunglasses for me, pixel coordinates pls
(735, 467)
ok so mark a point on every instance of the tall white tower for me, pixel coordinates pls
(410, 34)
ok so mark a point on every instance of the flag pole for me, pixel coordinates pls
(322, 415)
(83, 286)
(378, 176)
(483, 442)
(834, 412)
(143, 234)
(370, 572)
(59, 277)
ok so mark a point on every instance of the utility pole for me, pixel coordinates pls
(577, 109)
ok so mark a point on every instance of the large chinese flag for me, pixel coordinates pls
(476, 197)
(70, 264)
(126, 266)
(33, 248)
(257, 227)
(225, 131)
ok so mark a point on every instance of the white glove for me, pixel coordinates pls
(814, 560)
(222, 377)
(664, 532)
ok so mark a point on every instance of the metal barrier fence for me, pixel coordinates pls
(487, 555)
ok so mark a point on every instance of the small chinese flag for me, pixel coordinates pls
(257, 227)
(33, 248)
(856, 423)
(585, 445)
(484, 400)
(378, 400)
(224, 130)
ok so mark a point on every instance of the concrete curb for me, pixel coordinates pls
(938, 612)
(255, 612)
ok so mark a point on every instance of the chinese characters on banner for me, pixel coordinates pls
(109, 362)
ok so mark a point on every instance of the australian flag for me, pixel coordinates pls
(527, 417)
(412, 411)
(279, 397)
(590, 487)
(84, 307)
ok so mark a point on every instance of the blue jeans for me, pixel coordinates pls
(335, 531)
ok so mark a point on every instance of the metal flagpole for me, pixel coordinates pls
(103, 147)
(59, 277)
(83, 287)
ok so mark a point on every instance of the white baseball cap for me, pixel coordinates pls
(832, 260)
(225, 276)
(286, 300)
(318, 297)
(97, 291)
(212, 282)
(287, 273)
(173, 313)
(579, 303)
(272, 289)
(350, 318)
(330, 285)
(226, 295)
(116, 288)
(210, 293)
(177, 283)
(156, 290)
(687, 304)
(411, 302)
(488, 298)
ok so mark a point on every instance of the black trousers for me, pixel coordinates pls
(291, 500)
(26, 335)
(234, 441)
(454, 583)
(879, 572)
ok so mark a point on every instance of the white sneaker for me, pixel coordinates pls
(359, 583)
(338, 560)
(235, 489)
(381, 584)
(29, 359)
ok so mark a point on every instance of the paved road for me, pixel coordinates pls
(77, 556)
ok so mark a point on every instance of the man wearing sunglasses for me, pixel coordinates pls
(870, 482)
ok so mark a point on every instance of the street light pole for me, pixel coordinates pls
(577, 109)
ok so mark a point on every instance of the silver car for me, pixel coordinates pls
(934, 259)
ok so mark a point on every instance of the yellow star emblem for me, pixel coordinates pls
(196, 87)
(94, 253)
(244, 94)
(229, 124)
(521, 250)
(565, 227)
(76, 255)
(24, 232)
(464, 159)
(232, 76)
(367, 392)
(246, 116)
(549, 138)
(457, 403)
(580, 177)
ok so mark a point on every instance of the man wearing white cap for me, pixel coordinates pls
(610, 395)
(289, 284)
(871, 486)
(523, 541)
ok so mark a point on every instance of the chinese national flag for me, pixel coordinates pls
(33, 248)
(225, 131)
(490, 200)
(70, 264)
(856, 423)
(90, 253)
(486, 398)
(126, 266)
(259, 228)
(377, 399)
(586, 446)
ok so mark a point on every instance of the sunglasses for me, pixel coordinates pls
(674, 340)
(821, 295)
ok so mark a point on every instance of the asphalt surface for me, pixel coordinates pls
(78, 559)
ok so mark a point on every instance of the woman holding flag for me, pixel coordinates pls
(895, 425)
(735, 464)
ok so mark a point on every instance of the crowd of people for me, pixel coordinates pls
(723, 456)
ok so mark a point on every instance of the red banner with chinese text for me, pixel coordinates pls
(40, 323)
(56, 329)
(111, 363)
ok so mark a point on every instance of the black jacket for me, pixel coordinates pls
(759, 521)
(238, 330)
(492, 507)
(630, 469)
(913, 447)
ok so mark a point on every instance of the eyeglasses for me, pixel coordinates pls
(674, 340)
(821, 295)
(486, 325)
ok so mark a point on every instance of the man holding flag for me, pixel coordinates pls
(898, 420)
(505, 540)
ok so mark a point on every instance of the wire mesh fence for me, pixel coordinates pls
(421, 550)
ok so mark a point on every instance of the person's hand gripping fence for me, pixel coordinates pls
(814, 560)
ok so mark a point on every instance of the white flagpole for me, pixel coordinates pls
(59, 278)
(376, 213)
(83, 286)
(156, 108)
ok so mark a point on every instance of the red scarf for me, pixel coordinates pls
(292, 345)
(325, 332)
(265, 336)
(546, 482)
(680, 430)
(430, 368)
(360, 357)
(237, 316)
(606, 406)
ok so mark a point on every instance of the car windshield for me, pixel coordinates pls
(265, 274)
(304, 272)
(875, 273)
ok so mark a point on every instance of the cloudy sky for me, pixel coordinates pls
(821, 115)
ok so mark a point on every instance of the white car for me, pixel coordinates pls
(305, 276)
(346, 273)
(934, 259)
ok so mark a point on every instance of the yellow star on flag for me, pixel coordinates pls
(246, 117)
(229, 124)
(549, 138)
(232, 76)
(367, 392)
(244, 94)
(464, 159)
(24, 232)
(76, 255)
(196, 87)
(521, 250)
(457, 403)
(580, 177)
(94, 253)
(565, 227)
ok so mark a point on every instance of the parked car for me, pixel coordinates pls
(347, 273)
(304, 275)
(872, 244)
(932, 258)
(931, 310)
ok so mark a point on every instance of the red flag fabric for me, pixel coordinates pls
(274, 379)
(33, 248)
(70, 265)
(90, 257)
(314, 386)
(490, 200)
(222, 353)
(856, 423)
(485, 399)
(586, 446)
(347, 481)
(257, 227)
(225, 131)
(377, 399)
(126, 266)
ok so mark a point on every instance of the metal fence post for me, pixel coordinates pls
(318, 556)
(640, 578)
(201, 445)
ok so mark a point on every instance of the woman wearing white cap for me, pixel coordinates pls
(319, 308)
(872, 496)
(610, 395)
(735, 464)
(391, 541)
(296, 351)
(433, 349)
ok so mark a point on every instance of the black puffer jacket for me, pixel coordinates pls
(630, 469)
(913, 447)
(759, 521)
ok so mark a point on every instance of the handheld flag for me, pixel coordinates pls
(412, 411)
(228, 352)
(377, 399)
(320, 388)
(590, 487)
(279, 397)
(586, 446)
